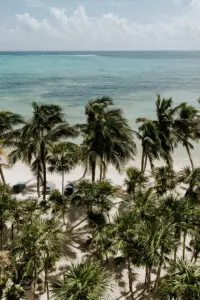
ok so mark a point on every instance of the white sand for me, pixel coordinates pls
(21, 173)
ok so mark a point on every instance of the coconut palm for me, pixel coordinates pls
(151, 144)
(108, 138)
(167, 133)
(28, 153)
(46, 126)
(186, 126)
(62, 158)
(181, 282)
(86, 281)
(135, 180)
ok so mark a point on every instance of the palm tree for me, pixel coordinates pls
(62, 158)
(186, 126)
(124, 242)
(165, 125)
(165, 180)
(191, 177)
(136, 179)
(8, 121)
(100, 242)
(58, 203)
(108, 138)
(52, 248)
(28, 153)
(178, 212)
(46, 126)
(181, 282)
(36, 249)
(86, 281)
(151, 144)
(94, 196)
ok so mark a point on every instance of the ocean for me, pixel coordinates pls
(70, 79)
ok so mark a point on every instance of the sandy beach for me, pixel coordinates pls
(22, 173)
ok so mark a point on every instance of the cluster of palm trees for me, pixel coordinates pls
(111, 233)
(174, 125)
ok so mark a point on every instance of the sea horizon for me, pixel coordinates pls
(24, 52)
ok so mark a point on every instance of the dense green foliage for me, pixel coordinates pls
(139, 241)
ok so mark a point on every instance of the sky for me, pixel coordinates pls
(99, 25)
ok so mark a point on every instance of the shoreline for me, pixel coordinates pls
(21, 172)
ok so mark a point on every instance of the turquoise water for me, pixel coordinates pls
(71, 78)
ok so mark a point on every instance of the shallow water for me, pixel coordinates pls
(71, 78)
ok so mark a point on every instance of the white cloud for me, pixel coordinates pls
(78, 31)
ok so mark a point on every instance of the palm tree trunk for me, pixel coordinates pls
(145, 163)
(190, 156)
(63, 214)
(43, 158)
(142, 161)
(38, 184)
(63, 182)
(184, 242)
(196, 257)
(130, 279)
(158, 272)
(2, 175)
(175, 254)
(104, 170)
(12, 232)
(101, 171)
(93, 169)
(169, 161)
(48, 296)
(148, 275)
(85, 172)
(46, 282)
(151, 164)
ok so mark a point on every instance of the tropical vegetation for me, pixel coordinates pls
(140, 240)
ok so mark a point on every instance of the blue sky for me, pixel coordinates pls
(99, 24)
